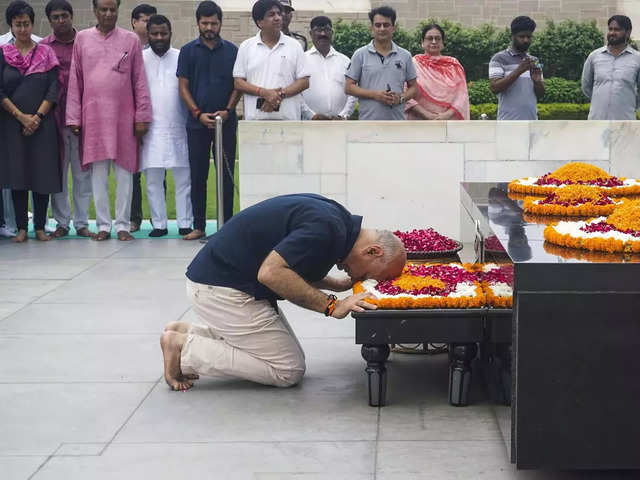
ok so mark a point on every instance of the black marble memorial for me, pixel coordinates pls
(574, 356)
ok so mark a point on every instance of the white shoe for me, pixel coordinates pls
(5, 232)
(48, 228)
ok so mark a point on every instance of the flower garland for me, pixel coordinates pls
(589, 256)
(594, 235)
(450, 285)
(497, 283)
(575, 173)
(572, 200)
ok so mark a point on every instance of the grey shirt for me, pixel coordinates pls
(612, 83)
(519, 101)
(372, 71)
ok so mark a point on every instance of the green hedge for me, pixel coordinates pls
(562, 47)
(557, 90)
(546, 111)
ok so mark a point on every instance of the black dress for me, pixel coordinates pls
(29, 162)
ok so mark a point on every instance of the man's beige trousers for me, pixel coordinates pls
(240, 337)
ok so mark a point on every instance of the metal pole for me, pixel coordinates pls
(220, 173)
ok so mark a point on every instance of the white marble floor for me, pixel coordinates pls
(82, 394)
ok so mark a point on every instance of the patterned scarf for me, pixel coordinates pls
(40, 59)
(442, 81)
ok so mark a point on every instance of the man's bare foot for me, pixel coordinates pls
(42, 236)
(60, 232)
(85, 232)
(180, 327)
(195, 235)
(171, 343)
(21, 237)
(125, 236)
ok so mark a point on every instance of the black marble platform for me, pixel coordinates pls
(575, 343)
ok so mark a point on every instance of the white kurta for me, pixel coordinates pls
(165, 145)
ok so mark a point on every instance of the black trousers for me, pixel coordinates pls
(201, 143)
(21, 207)
(136, 200)
(1, 209)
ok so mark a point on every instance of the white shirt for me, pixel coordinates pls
(9, 38)
(325, 94)
(276, 67)
(165, 144)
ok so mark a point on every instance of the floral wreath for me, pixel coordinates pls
(572, 200)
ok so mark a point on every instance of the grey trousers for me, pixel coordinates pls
(81, 187)
(124, 190)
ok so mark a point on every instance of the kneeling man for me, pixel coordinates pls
(282, 248)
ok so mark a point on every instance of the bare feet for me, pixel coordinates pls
(60, 232)
(85, 232)
(42, 236)
(195, 235)
(21, 237)
(102, 236)
(171, 343)
(125, 236)
(180, 327)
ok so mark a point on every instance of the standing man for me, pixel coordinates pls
(325, 98)
(205, 75)
(287, 16)
(379, 71)
(60, 15)
(108, 104)
(271, 69)
(139, 17)
(282, 248)
(165, 146)
(515, 76)
(611, 75)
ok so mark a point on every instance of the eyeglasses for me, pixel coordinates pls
(382, 25)
(433, 39)
(326, 29)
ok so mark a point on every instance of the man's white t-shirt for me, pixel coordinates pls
(276, 67)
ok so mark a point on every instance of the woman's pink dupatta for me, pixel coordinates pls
(442, 81)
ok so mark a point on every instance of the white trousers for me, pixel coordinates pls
(81, 187)
(124, 191)
(240, 337)
(157, 201)
(9, 213)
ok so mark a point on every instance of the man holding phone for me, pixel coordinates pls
(515, 76)
(271, 69)
(205, 80)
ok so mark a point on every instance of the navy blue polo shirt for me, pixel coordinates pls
(210, 75)
(311, 232)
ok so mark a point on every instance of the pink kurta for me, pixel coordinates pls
(107, 94)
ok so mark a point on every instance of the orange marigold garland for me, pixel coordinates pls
(452, 285)
(618, 233)
(497, 283)
(572, 200)
(575, 173)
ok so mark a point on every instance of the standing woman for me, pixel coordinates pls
(28, 92)
(442, 83)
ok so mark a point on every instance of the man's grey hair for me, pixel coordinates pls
(391, 245)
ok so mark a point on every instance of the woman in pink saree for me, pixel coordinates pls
(442, 83)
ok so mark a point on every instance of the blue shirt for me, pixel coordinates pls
(311, 233)
(210, 75)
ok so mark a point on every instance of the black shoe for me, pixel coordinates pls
(185, 231)
(158, 232)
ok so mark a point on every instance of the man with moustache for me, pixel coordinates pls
(165, 145)
(205, 73)
(611, 75)
(515, 76)
(325, 98)
(60, 16)
(271, 69)
(108, 104)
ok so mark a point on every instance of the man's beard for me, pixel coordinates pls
(616, 41)
(209, 35)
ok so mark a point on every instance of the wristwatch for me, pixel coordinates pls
(40, 115)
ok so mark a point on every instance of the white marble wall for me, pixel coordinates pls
(407, 174)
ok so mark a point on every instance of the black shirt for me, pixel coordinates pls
(311, 232)
(210, 75)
